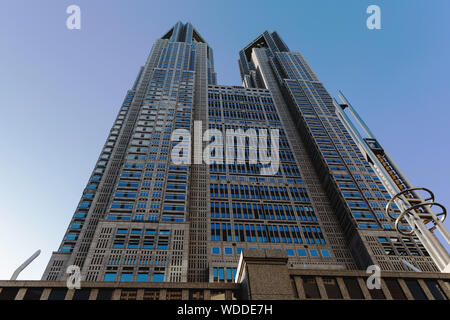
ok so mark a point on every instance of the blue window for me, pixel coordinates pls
(301, 252)
(126, 276)
(146, 184)
(122, 231)
(228, 250)
(387, 226)
(76, 225)
(325, 253)
(66, 249)
(290, 252)
(215, 250)
(110, 276)
(85, 204)
(154, 205)
(229, 274)
(239, 250)
(379, 214)
(404, 227)
(142, 277)
(313, 252)
(158, 277)
(71, 236)
(80, 214)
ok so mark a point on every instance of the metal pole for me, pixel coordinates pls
(415, 219)
(409, 265)
(25, 264)
(356, 115)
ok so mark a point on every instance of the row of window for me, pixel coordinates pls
(128, 276)
(313, 253)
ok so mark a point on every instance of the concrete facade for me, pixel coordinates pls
(262, 275)
(141, 218)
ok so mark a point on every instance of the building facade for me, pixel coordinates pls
(143, 217)
(261, 275)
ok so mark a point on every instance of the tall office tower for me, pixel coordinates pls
(357, 195)
(142, 217)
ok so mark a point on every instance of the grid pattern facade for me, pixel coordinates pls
(143, 218)
(357, 194)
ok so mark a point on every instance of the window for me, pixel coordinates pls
(128, 294)
(85, 204)
(66, 249)
(151, 294)
(76, 225)
(228, 250)
(325, 253)
(126, 276)
(174, 295)
(313, 253)
(290, 252)
(301, 252)
(71, 236)
(196, 295)
(142, 277)
(110, 276)
(215, 250)
(80, 214)
(158, 277)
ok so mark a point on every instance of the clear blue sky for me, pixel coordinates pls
(60, 89)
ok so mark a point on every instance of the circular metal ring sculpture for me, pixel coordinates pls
(420, 210)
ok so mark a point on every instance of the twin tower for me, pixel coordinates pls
(142, 217)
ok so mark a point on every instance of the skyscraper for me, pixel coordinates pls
(143, 217)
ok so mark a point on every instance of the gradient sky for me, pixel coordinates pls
(60, 89)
